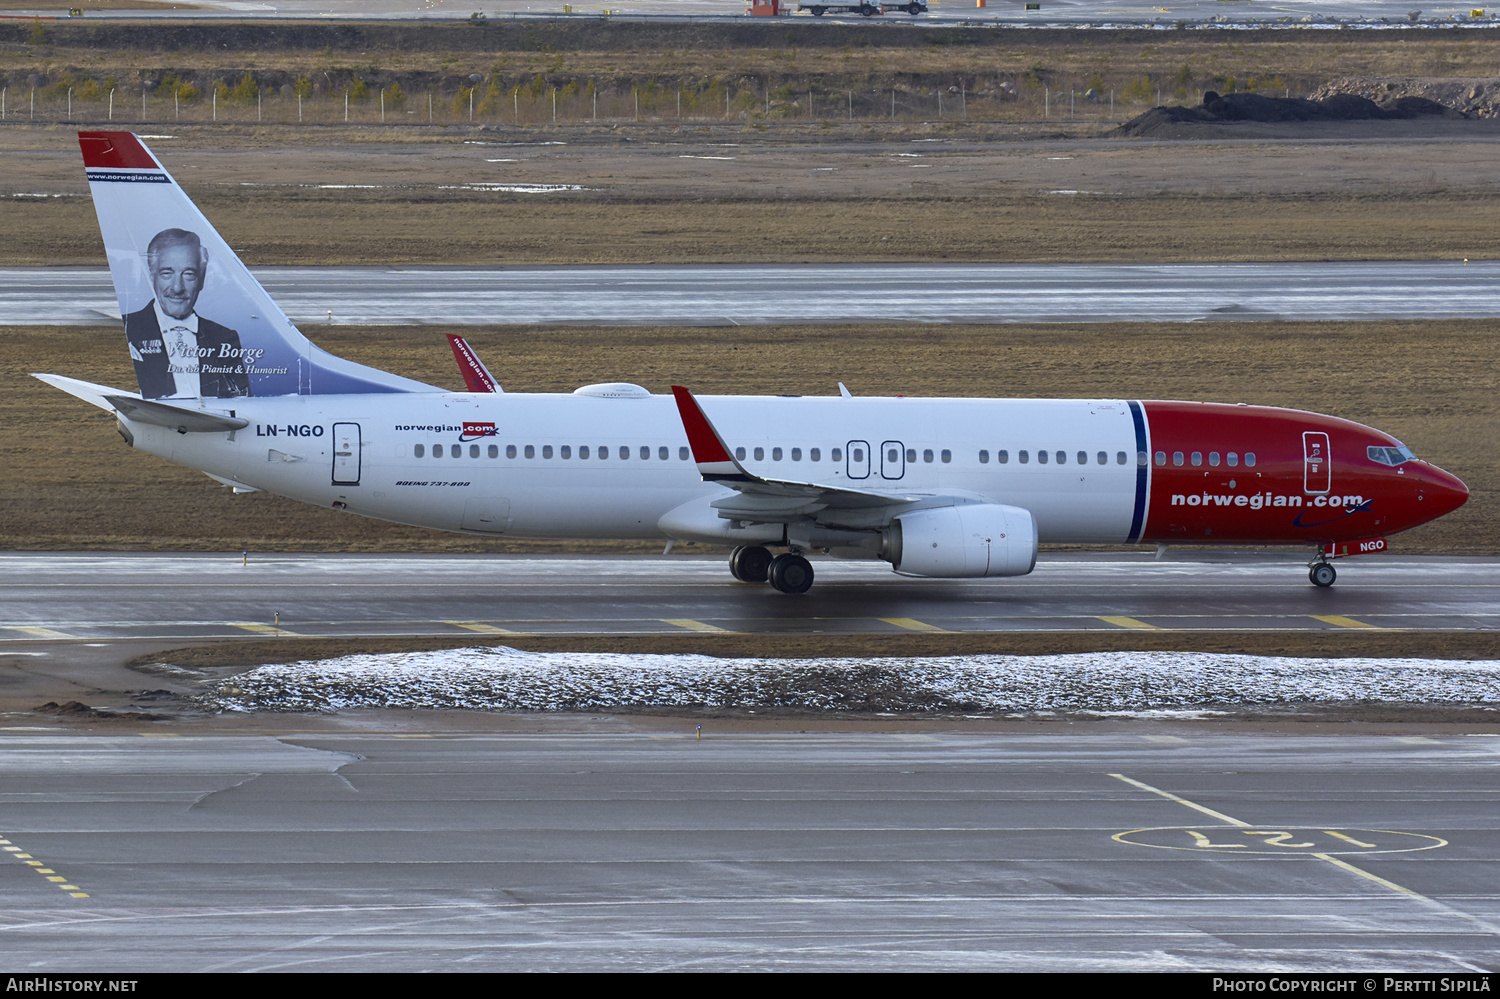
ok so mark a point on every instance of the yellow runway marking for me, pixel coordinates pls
(1349, 839)
(1130, 622)
(691, 625)
(1181, 801)
(911, 624)
(265, 629)
(39, 632)
(46, 872)
(1344, 622)
(479, 626)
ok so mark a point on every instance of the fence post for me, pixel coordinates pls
(1046, 103)
(259, 102)
(70, 103)
(176, 105)
(111, 104)
(299, 109)
(3, 92)
(346, 106)
(382, 105)
(851, 105)
(679, 103)
(554, 105)
(216, 104)
(893, 105)
(637, 95)
(143, 104)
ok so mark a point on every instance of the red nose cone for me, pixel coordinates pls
(1442, 492)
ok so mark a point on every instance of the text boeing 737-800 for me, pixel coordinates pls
(936, 487)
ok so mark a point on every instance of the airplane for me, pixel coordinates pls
(935, 487)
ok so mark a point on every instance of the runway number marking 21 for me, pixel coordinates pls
(1294, 839)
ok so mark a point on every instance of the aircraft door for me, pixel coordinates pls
(857, 457)
(1317, 466)
(346, 448)
(892, 460)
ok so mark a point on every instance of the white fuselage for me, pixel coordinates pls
(419, 458)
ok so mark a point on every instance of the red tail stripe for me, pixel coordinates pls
(115, 151)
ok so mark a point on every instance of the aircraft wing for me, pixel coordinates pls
(766, 500)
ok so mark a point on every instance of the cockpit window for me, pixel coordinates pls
(1390, 455)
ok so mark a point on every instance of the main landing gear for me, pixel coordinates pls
(788, 573)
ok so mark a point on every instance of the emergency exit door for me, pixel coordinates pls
(346, 449)
(892, 460)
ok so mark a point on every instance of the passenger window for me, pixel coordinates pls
(603, 451)
(419, 450)
(739, 453)
(455, 450)
(663, 454)
(1023, 457)
(1232, 459)
(911, 454)
(1062, 457)
(927, 454)
(646, 453)
(893, 455)
(583, 451)
(760, 454)
(473, 450)
(624, 452)
(1249, 459)
(858, 454)
(1083, 458)
(546, 450)
(1041, 457)
(813, 454)
(796, 454)
(1177, 458)
(1197, 458)
(1161, 457)
(530, 451)
(494, 450)
(984, 457)
(946, 455)
(565, 452)
(510, 450)
(775, 454)
(437, 450)
(836, 454)
(1104, 458)
(682, 453)
(1140, 458)
(1002, 457)
(1213, 459)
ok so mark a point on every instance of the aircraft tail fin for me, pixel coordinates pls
(198, 323)
(477, 377)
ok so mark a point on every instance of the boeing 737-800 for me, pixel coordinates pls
(935, 487)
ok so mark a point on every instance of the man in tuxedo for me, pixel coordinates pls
(177, 353)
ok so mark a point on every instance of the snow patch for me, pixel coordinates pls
(504, 679)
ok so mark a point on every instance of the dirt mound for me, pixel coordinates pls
(1169, 122)
(1474, 97)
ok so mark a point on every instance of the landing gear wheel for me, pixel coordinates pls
(819, 11)
(913, 9)
(1322, 574)
(867, 10)
(750, 564)
(791, 574)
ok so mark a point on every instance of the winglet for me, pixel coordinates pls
(477, 377)
(715, 463)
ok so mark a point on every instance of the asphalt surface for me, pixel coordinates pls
(1010, 12)
(656, 851)
(111, 597)
(735, 295)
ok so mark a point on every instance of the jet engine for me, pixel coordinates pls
(955, 542)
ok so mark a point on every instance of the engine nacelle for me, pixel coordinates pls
(955, 542)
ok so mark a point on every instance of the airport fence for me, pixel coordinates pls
(572, 103)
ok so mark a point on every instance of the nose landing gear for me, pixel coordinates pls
(788, 573)
(1321, 574)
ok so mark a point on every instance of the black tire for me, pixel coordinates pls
(1322, 574)
(914, 9)
(750, 564)
(819, 11)
(791, 574)
(866, 10)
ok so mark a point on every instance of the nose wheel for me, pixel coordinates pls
(1321, 574)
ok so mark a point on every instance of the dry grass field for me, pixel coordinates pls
(69, 481)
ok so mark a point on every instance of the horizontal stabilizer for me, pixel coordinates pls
(181, 419)
(95, 395)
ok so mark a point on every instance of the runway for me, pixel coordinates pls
(738, 295)
(82, 597)
(651, 850)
